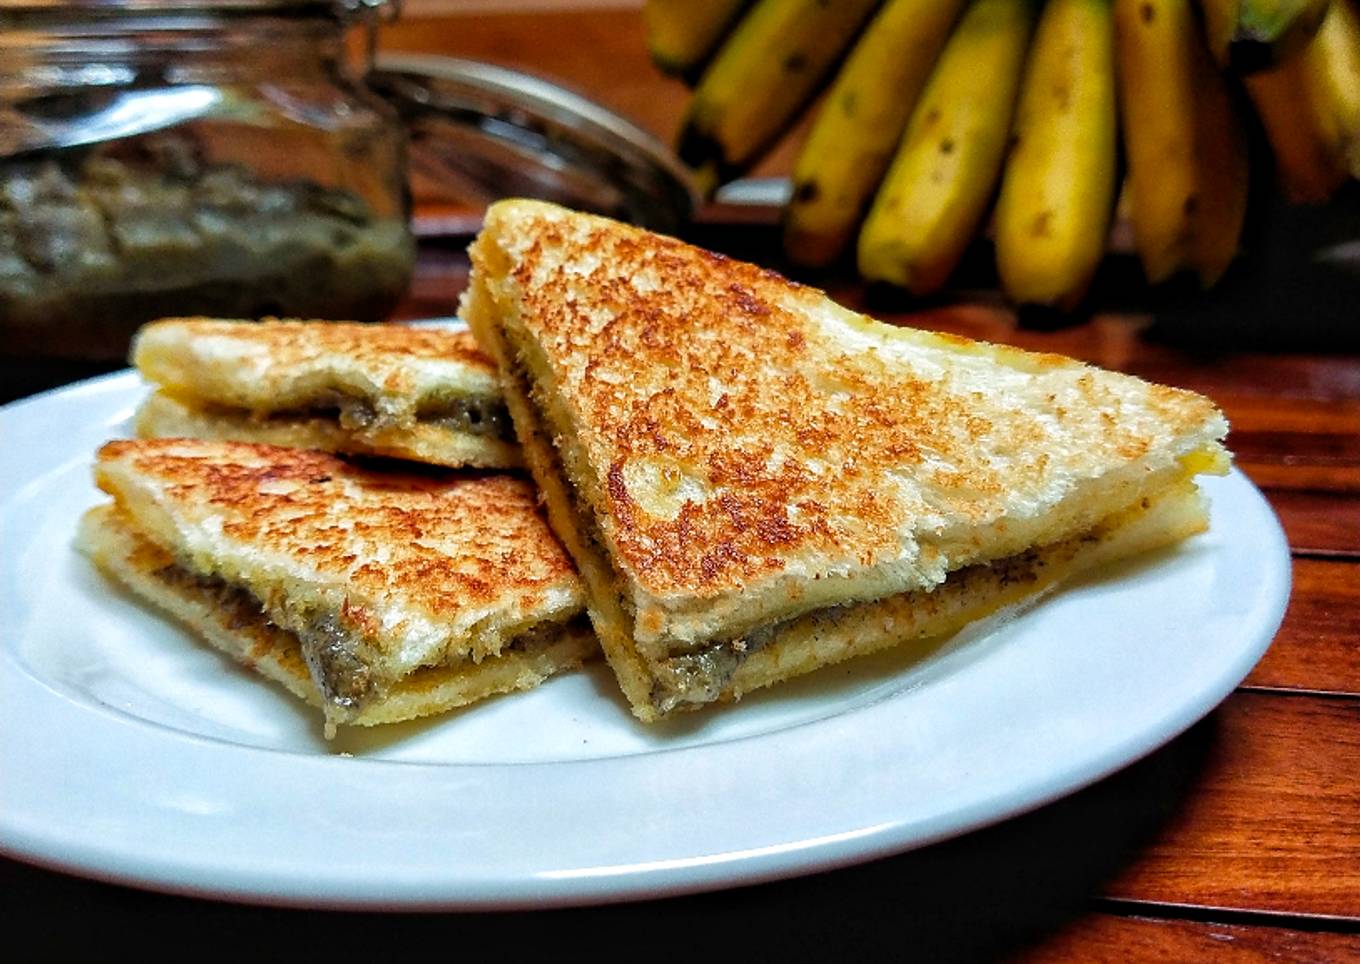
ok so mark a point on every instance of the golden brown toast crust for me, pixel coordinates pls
(414, 563)
(289, 344)
(742, 428)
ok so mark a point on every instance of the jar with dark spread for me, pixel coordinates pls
(188, 157)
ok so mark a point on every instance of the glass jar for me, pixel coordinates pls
(188, 157)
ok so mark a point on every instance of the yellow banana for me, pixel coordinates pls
(1187, 155)
(1156, 43)
(765, 72)
(1332, 67)
(1309, 108)
(1222, 172)
(1220, 23)
(861, 121)
(945, 170)
(1251, 35)
(682, 33)
(1308, 172)
(1057, 193)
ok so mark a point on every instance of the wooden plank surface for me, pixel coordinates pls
(1318, 646)
(1283, 471)
(1107, 939)
(1316, 522)
(1271, 821)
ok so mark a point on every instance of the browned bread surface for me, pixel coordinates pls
(421, 567)
(746, 446)
(267, 357)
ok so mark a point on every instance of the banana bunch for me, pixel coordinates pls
(1027, 119)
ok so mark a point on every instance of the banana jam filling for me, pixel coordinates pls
(701, 676)
(485, 417)
(479, 416)
(475, 416)
(346, 682)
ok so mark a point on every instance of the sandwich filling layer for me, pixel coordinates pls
(473, 416)
(475, 432)
(728, 669)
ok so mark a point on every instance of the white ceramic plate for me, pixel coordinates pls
(132, 753)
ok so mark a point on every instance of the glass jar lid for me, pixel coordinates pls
(488, 132)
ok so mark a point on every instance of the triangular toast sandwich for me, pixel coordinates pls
(378, 596)
(755, 481)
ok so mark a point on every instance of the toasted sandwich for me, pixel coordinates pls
(378, 596)
(756, 482)
(422, 394)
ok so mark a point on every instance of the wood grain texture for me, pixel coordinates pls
(1318, 448)
(1317, 523)
(1107, 939)
(1318, 645)
(1266, 375)
(1278, 414)
(1295, 433)
(1271, 822)
(1282, 472)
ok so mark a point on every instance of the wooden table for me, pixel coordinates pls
(1239, 839)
